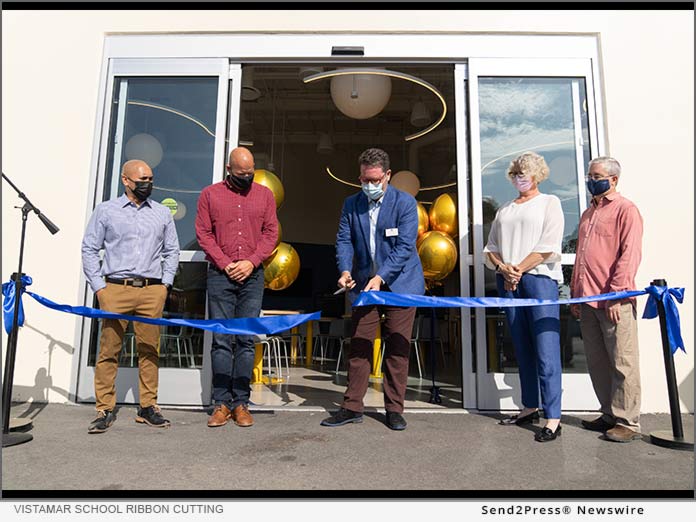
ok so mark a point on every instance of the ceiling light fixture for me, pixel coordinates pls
(391, 74)
(249, 92)
(434, 187)
(325, 145)
(420, 115)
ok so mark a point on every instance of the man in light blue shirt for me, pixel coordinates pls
(141, 255)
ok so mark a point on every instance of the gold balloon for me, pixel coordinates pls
(438, 255)
(423, 220)
(443, 214)
(282, 268)
(270, 180)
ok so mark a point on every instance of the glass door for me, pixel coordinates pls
(545, 106)
(172, 114)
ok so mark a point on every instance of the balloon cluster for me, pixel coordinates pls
(283, 266)
(436, 249)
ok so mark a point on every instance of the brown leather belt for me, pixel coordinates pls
(136, 282)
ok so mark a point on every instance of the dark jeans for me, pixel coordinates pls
(233, 361)
(536, 336)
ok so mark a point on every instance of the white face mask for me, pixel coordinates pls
(373, 192)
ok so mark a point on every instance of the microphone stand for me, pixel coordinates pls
(11, 439)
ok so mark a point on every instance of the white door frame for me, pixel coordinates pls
(190, 386)
(446, 48)
(501, 391)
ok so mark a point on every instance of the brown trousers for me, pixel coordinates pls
(145, 301)
(613, 363)
(396, 333)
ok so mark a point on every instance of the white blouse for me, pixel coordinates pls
(533, 226)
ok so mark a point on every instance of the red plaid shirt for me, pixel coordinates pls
(232, 226)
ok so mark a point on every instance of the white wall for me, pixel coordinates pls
(51, 70)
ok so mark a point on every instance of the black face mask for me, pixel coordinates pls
(239, 184)
(142, 190)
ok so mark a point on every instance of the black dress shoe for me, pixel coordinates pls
(395, 421)
(516, 420)
(104, 420)
(342, 417)
(598, 424)
(152, 416)
(546, 435)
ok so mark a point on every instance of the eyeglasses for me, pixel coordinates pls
(595, 177)
(376, 182)
(517, 174)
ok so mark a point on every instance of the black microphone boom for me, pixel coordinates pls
(52, 228)
(11, 439)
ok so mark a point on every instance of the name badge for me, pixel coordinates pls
(391, 232)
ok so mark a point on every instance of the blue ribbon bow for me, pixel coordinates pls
(8, 302)
(664, 294)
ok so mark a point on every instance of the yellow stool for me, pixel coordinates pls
(257, 376)
(377, 355)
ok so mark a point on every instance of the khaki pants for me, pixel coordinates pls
(145, 301)
(613, 363)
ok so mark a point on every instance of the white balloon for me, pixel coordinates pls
(563, 170)
(407, 181)
(144, 147)
(180, 211)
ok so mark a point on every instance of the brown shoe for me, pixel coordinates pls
(622, 434)
(221, 414)
(242, 417)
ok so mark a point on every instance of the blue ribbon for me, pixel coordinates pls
(8, 302)
(240, 326)
(664, 294)
(275, 324)
(424, 301)
(654, 293)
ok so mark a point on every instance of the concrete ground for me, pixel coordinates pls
(289, 450)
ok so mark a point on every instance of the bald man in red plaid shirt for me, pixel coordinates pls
(237, 228)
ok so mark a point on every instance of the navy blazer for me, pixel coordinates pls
(396, 257)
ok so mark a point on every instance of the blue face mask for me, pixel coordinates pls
(373, 192)
(597, 187)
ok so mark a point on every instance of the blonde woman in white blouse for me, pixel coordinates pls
(524, 248)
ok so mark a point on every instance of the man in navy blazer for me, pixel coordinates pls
(376, 250)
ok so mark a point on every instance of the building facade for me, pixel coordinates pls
(84, 91)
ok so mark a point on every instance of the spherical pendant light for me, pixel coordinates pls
(360, 96)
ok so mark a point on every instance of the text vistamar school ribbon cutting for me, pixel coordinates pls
(275, 324)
